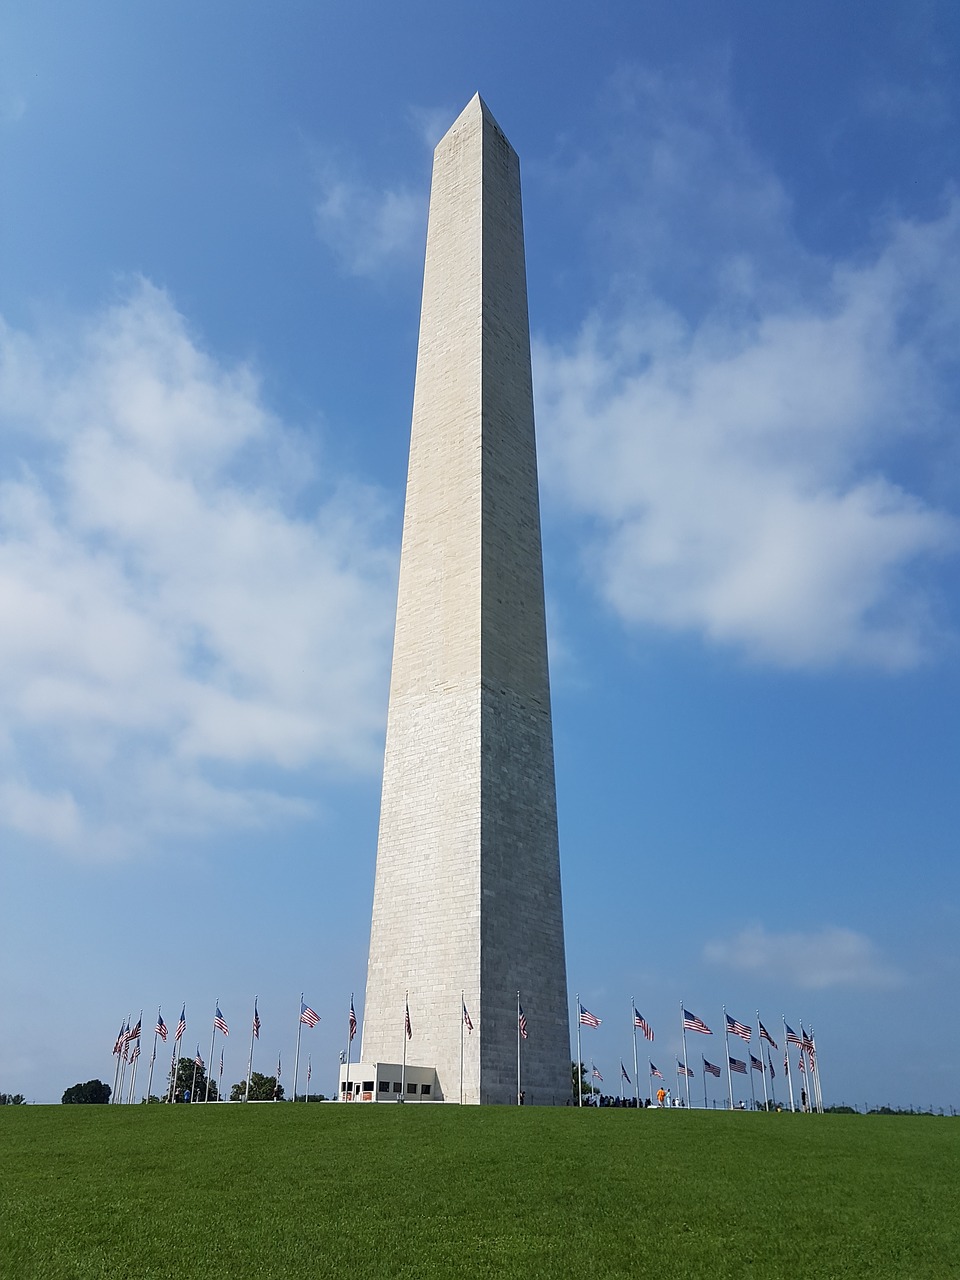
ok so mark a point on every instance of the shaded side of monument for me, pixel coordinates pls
(467, 896)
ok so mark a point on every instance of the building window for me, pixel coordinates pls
(368, 1086)
(411, 1088)
(396, 1086)
(383, 1086)
(424, 1088)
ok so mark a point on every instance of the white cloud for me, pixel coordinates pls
(180, 643)
(830, 957)
(368, 229)
(732, 448)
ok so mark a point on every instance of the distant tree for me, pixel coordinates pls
(262, 1089)
(185, 1082)
(92, 1091)
(12, 1099)
(579, 1082)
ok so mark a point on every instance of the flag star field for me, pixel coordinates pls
(743, 246)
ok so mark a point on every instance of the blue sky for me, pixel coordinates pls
(743, 242)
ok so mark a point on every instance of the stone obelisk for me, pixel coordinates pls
(467, 894)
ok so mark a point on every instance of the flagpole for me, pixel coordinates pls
(816, 1070)
(753, 1096)
(786, 1058)
(253, 1035)
(123, 1060)
(309, 1072)
(773, 1087)
(220, 1079)
(406, 1023)
(350, 1041)
(153, 1056)
(118, 1054)
(621, 1081)
(518, 1048)
(636, 1065)
(683, 1032)
(193, 1086)
(726, 1041)
(462, 1007)
(762, 1072)
(296, 1060)
(173, 1053)
(213, 1036)
(579, 1076)
(703, 1072)
(133, 1078)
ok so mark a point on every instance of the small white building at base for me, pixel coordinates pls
(389, 1082)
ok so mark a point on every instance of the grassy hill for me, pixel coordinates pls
(383, 1191)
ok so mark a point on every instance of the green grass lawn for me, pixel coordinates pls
(370, 1191)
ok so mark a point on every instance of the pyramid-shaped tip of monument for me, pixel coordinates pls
(476, 109)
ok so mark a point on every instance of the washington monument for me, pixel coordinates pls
(467, 895)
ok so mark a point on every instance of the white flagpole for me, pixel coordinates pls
(403, 1067)
(518, 1048)
(773, 1087)
(220, 1079)
(703, 1072)
(343, 1092)
(753, 1096)
(173, 1055)
(309, 1073)
(213, 1036)
(762, 1073)
(253, 1036)
(462, 1007)
(683, 1033)
(153, 1056)
(119, 1056)
(726, 1041)
(123, 1063)
(193, 1085)
(579, 1076)
(816, 1070)
(636, 1067)
(786, 1058)
(296, 1061)
(133, 1077)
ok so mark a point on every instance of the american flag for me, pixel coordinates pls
(278, 1066)
(640, 1021)
(712, 1068)
(221, 1064)
(588, 1019)
(802, 1067)
(220, 1023)
(308, 1070)
(256, 1022)
(807, 1039)
(623, 1072)
(736, 1028)
(161, 1027)
(682, 1070)
(198, 1060)
(136, 1052)
(118, 1046)
(655, 1072)
(126, 1042)
(595, 1073)
(738, 1066)
(765, 1034)
(466, 1017)
(353, 1020)
(756, 1064)
(521, 1021)
(773, 1074)
(308, 1016)
(692, 1023)
(182, 1024)
(792, 1037)
(135, 1033)
(406, 1021)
